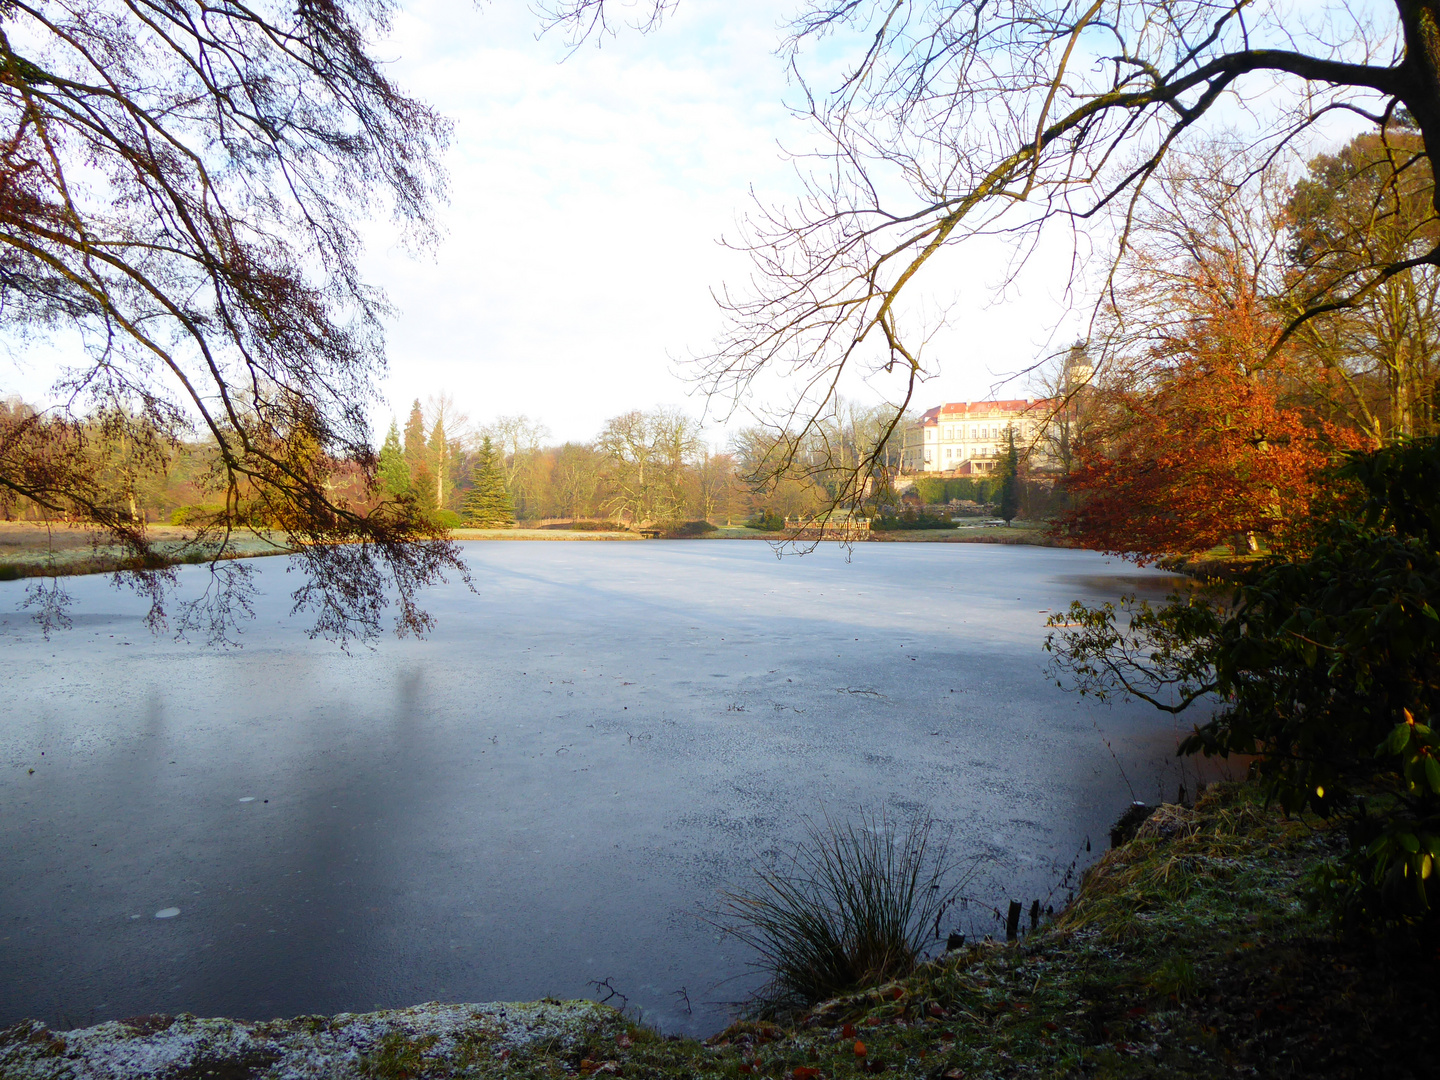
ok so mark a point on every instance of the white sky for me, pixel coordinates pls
(587, 200)
(588, 194)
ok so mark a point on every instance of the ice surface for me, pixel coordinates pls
(546, 794)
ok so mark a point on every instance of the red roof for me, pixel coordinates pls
(956, 410)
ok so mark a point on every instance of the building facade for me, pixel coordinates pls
(967, 438)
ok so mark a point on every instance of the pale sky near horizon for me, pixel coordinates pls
(588, 196)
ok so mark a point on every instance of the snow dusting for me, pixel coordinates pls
(306, 1048)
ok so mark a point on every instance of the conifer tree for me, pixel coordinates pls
(423, 488)
(438, 458)
(394, 473)
(415, 448)
(1009, 478)
(488, 504)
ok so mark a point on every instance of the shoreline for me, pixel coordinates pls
(1186, 953)
(68, 551)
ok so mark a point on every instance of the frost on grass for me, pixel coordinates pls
(349, 1044)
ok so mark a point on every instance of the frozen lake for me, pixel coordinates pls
(543, 794)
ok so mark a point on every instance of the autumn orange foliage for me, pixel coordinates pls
(1207, 457)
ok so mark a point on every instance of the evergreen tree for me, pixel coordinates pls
(394, 473)
(415, 448)
(423, 489)
(438, 458)
(488, 504)
(1009, 478)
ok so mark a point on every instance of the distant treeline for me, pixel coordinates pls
(643, 467)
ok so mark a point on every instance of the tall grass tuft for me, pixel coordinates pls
(853, 906)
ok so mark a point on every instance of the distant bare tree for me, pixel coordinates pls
(576, 480)
(646, 456)
(516, 437)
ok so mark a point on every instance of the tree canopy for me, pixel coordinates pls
(180, 188)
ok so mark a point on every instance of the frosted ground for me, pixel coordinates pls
(544, 795)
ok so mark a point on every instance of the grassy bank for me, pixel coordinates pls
(31, 550)
(1033, 533)
(1187, 953)
(1019, 532)
(522, 533)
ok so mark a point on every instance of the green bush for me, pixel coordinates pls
(195, 514)
(932, 489)
(766, 521)
(1326, 668)
(447, 519)
(683, 529)
(909, 519)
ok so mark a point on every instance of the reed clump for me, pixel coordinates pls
(854, 905)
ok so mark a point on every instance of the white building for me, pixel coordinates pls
(968, 437)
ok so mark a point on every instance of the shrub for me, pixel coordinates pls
(447, 519)
(598, 526)
(1327, 668)
(683, 529)
(195, 514)
(931, 489)
(766, 521)
(852, 907)
(910, 519)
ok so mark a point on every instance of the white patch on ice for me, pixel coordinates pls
(167, 913)
(248, 798)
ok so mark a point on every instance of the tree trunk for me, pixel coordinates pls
(1420, 70)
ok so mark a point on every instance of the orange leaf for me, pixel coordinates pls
(859, 1048)
(848, 1031)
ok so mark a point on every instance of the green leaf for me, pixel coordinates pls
(1432, 773)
